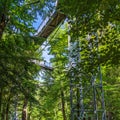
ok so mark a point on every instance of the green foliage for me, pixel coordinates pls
(95, 24)
(110, 47)
(17, 69)
(111, 79)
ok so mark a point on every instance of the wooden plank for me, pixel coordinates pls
(49, 24)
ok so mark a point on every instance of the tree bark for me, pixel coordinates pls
(7, 107)
(24, 111)
(3, 113)
(63, 105)
(0, 102)
(0, 99)
(7, 111)
(109, 115)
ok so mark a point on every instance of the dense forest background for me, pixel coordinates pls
(24, 97)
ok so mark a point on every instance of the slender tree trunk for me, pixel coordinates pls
(0, 102)
(63, 105)
(7, 111)
(7, 107)
(109, 116)
(24, 111)
(3, 113)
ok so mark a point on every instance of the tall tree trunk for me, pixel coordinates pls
(63, 105)
(0, 102)
(3, 113)
(24, 111)
(109, 115)
(7, 111)
(7, 107)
